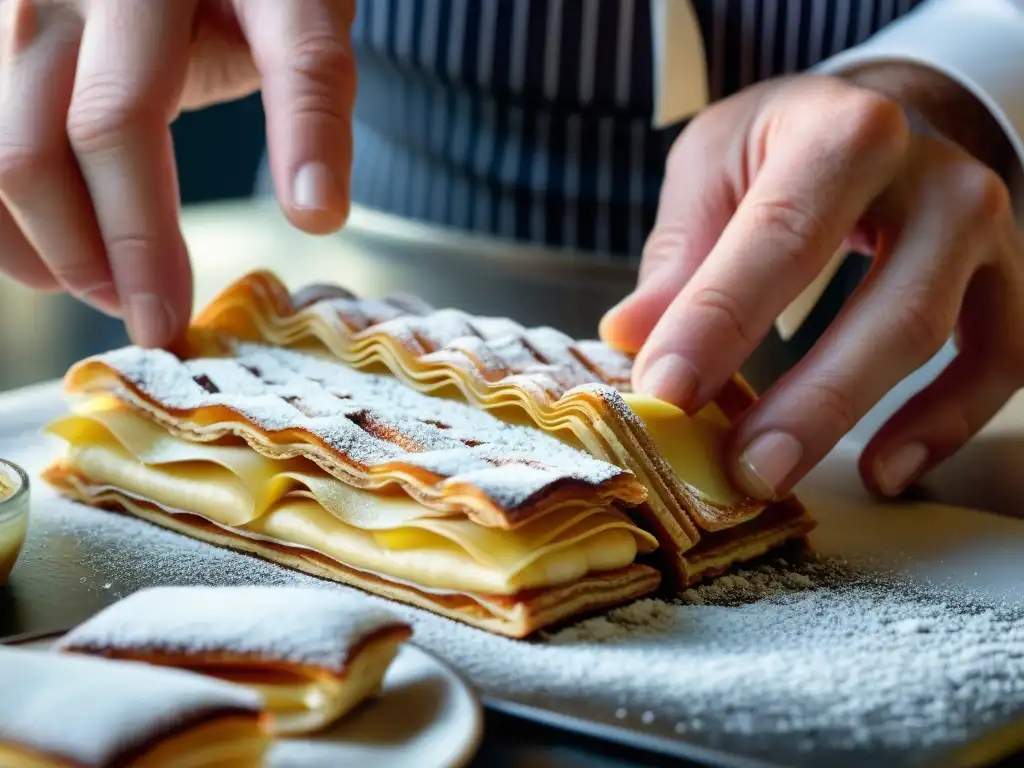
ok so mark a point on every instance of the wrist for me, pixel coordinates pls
(945, 105)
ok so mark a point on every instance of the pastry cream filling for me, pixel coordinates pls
(302, 706)
(295, 502)
(694, 446)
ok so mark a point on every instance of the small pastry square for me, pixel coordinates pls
(312, 654)
(65, 712)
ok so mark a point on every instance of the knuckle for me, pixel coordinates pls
(665, 246)
(324, 67)
(132, 247)
(724, 311)
(792, 232)
(922, 327)
(985, 197)
(80, 276)
(319, 50)
(104, 111)
(872, 126)
(323, 60)
(833, 407)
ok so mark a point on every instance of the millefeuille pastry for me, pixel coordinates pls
(358, 478)
(65, 712)
(576, 391)
(312, 654)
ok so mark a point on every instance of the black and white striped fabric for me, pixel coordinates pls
(531, 119)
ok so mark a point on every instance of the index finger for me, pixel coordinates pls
(814, 184)
(131, 71)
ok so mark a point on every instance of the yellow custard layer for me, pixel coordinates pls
(694, 446)
(295, 502)
(300, 706)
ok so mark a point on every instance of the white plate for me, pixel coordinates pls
(426, 716)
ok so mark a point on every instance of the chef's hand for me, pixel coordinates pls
(759, 192)
(88, 89)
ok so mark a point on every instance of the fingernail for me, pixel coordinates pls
(900, 468)
(670, 378)
(768, 461)
(314, 188)
(104, 298)
(150, 320)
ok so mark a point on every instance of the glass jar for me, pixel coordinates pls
(14, 513)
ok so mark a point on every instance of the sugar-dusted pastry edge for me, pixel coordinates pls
(623, 487)
(374, 656)
(124, 731)
(228, 661)
(153, 754)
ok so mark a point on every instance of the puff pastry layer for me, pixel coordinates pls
(311, 654)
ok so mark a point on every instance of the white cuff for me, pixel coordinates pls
(976, 43)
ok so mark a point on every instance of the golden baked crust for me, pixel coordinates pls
(311, 654)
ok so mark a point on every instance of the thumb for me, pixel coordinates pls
(304, 55)
(697, 200)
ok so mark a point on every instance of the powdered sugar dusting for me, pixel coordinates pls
(373, 421)
(294, 625)
(94, 713)
(614, 367)
(544, 360)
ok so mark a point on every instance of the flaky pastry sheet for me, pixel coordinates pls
(312, 654)
(111, 446)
